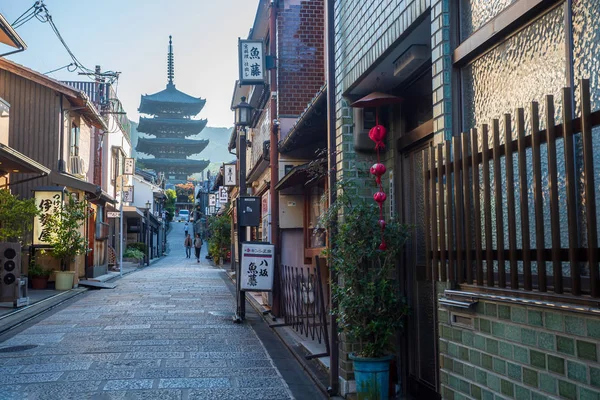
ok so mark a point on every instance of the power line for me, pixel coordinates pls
(68, 67)
(27, 15)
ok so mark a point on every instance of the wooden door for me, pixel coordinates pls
(420, 361)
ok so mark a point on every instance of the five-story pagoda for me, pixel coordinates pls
(171, 124)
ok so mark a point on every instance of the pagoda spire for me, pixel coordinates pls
(170, 66)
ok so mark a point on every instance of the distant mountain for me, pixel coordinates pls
(216, 151)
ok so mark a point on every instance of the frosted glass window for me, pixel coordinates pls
(475, 13)
(524, 68)
(586, 47)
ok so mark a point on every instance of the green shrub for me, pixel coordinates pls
(36, 270)
(219, 233)
(369, 308)
(138, 246)
(133, 253)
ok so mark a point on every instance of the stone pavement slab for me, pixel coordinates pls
(165, 332)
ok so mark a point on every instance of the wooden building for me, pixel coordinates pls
(52, 124)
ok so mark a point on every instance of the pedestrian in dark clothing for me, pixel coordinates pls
(197, 246)
(188, 246)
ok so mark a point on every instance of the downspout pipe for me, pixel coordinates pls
(274, 158)
(61, 141)
(332, 175)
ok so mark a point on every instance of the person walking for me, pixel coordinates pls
(197, 246)
(185, 229)
(188, 245)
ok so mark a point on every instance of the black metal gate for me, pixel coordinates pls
(303, 302)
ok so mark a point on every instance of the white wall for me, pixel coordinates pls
(113, 138)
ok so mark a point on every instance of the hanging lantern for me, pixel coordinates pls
(377, 134)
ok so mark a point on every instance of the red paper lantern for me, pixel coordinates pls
(378, 169)
(377, 134)
(379, 197)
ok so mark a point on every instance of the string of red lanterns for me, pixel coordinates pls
(377, 135)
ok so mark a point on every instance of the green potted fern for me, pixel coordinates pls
(66, 238)
(369, 308)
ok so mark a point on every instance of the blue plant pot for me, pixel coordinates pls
(372, 377)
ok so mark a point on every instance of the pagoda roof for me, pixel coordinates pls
(152, 125)
(146, 145)
(174, 164)
(171, 100)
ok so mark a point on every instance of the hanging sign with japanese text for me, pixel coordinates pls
(257, 267)
(230, 175)
(48, 202)
(223, 194)
(252, 62)
(128, 194)
(212, 200)
(129, 168)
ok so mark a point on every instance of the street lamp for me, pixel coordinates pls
(148, 231)
(243, 113)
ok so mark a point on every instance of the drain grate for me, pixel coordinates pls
(14, 349)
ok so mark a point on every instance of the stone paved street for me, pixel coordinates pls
(165, 332)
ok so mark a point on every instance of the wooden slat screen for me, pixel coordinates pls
(475, 194)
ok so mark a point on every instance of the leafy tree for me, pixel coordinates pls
(219, 230)
(170, 203)
(65, 235)
(16, 217)
(185, 192)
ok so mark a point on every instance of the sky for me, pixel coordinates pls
(132, 37)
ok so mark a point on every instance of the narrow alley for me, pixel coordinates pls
(165, 332)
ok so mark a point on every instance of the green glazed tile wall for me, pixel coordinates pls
(516, 352)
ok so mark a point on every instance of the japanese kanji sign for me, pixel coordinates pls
(230, 175)
(129, 168)
(128, 194)
(252, 62)
(223, 194)
(257, 267)
(212, 200)
(48, 202)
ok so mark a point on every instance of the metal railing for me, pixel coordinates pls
(303, 302)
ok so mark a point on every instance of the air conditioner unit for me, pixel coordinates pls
(78, 166)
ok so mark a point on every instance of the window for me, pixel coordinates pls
(74, 139)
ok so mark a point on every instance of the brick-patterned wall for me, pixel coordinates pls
(364, 31)
(517, 352)
(441, 58)
(300, 54)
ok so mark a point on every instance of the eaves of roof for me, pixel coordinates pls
(75, 97)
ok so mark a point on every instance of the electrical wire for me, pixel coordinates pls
(68, 67)
(28, 14)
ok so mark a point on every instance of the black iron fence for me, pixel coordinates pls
(303, 302)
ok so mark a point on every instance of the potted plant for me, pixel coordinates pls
(66, 238)
(368, 306)
(39, 276)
